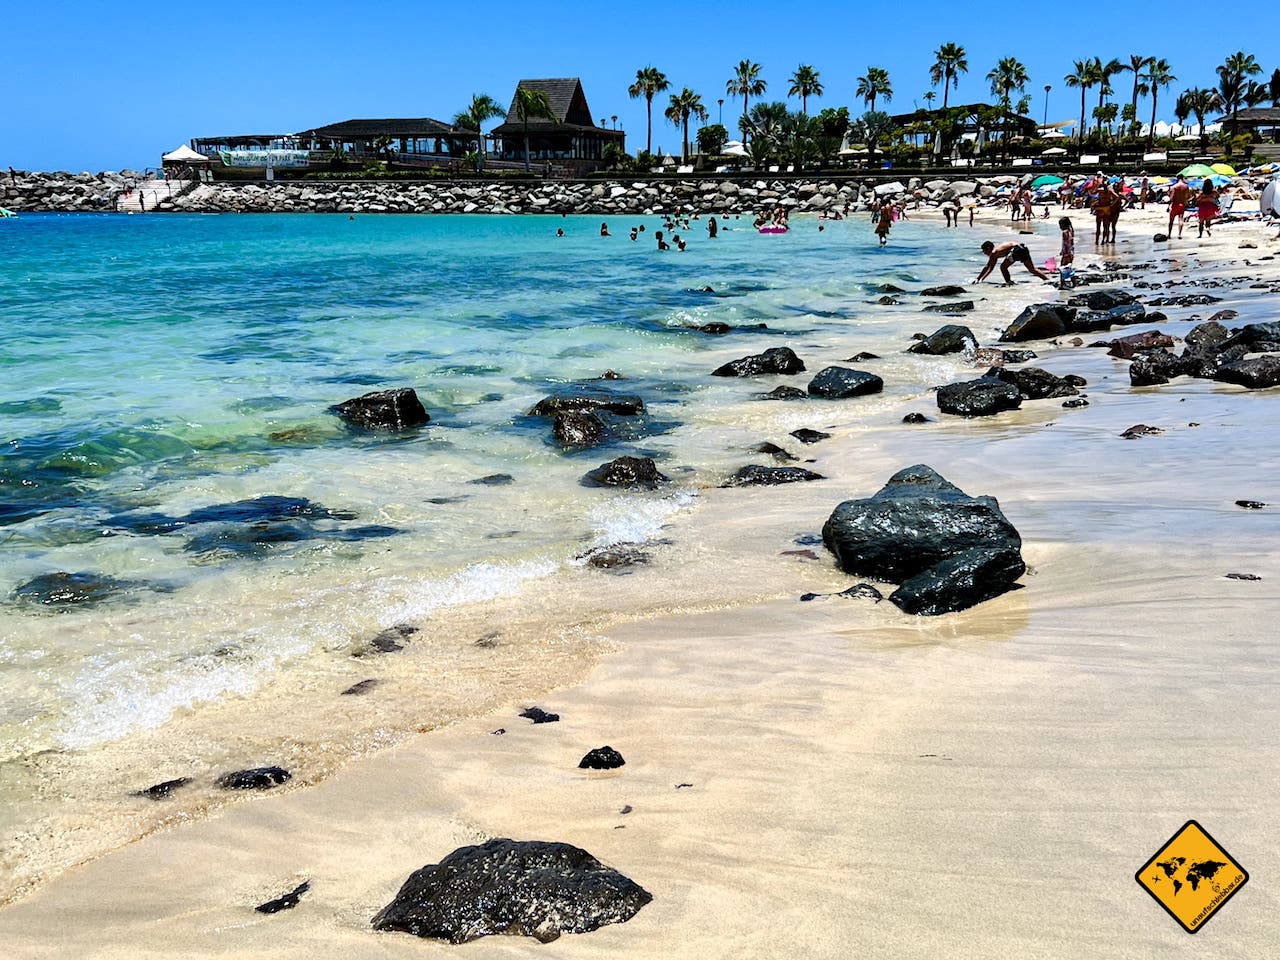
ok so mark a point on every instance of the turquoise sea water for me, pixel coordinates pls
(164, 374)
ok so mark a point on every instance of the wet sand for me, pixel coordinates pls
(859, 780)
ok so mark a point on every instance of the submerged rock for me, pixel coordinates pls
(602, 758)
(837, 383)
(494, 480)
(785, 393)
(525, 888)
(617, 557)
(538, 715)
(257, 778)
(953, 338)
(775, 360)
(626, 472)
(915, 418)
(983, 397)
(360, 688)
(948, 550)
(577, 428)
(947, 290)
(620, 404)
(162, 791)
(805, 435)
(384, 410)
(286, 901)
(63, 589)
(756, 476)
(775, 451)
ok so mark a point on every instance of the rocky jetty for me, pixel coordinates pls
(525, 888)
(64, 192)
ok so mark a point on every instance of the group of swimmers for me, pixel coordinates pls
(670, 225)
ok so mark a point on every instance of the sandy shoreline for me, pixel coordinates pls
(980, 783)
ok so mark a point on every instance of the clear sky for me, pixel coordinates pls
(93, 86)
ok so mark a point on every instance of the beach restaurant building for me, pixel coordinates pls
(419, 141)
(571, 141)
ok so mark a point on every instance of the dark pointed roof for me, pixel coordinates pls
(372, 129)
(567, 100)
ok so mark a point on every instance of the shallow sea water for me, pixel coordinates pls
(157, 367)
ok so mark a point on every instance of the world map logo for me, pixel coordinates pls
(1192, 876)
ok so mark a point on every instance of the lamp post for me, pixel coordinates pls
(720, 116)
(614, 118)
(1047, 88)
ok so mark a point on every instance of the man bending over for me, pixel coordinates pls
(1012, 253)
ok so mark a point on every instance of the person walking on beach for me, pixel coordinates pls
(1102, 210)
(1012, 253)
(885, 223)
(1179, 197)
(1145, 190)
(1206, 208)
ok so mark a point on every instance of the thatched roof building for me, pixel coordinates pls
(571, 141)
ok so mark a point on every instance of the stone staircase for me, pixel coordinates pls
(146, 196)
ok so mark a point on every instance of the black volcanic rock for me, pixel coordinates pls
(755, 476)
(947, 290)
(601, 758)
(775, 360)
(953, 338)
(258, 778)
(918, 525)
(397, 409)
(785, 393)
(1040, 321)
(1033, 383)
(619, 404)
(837, 383)
(1256, 374)
(983, 397)
(286, 901)
(577, 428)
(524, 888)
(805, 435)
(626, 472)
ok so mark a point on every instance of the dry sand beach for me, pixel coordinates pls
(836, 778)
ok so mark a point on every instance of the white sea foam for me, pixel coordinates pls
(635, 519)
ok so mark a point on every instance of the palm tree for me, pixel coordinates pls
(1202, 101)
(1101, 74)
(1158, 75)
(874, 84)
(649, 81)
(805, 84)
(1273, 88)
(483, 107)
(1233, 76)
(383, 146)
(531, 104)
(684, 104)
(745, 83)
(1137, 63)
(1080, 78)
(950, 62)
(1008, 75)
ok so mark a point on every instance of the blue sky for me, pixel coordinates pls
(96, 86)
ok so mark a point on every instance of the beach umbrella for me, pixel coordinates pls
(1045, 180)
(1196, 170)
(1053, 152)
(1226, 169)
(1218, 180)
(1157, 181)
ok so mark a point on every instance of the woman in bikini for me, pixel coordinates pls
(1206, 208)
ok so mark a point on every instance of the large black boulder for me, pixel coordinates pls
(1155, 367)
(526, 888)
(625, 472)
(983, 397)
(914, 522)
(836, 383)
(1254, 333)
(756, 476)
(616, 403)
(946, 290)
(953, 338)
(397, 409)
(1040, 321)
(773, 360)
(1256, 374)
(1208, 334)
(959, 582)
(1033, 383)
